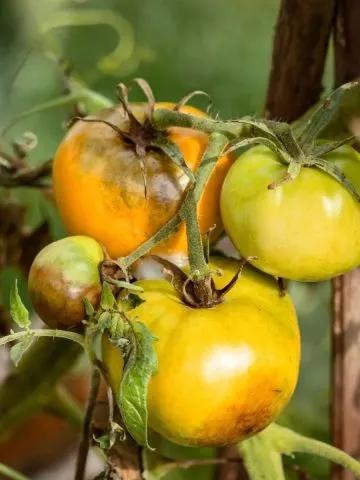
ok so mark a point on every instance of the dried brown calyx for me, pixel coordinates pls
(198, 292)
(140, 134)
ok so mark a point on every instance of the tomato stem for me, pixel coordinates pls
(198, 265)
(43, 332)
(217, 143)
(86, 439)
(262, 453)
(93, 100)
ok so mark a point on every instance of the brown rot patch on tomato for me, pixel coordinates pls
(233, 426)
(59, 302)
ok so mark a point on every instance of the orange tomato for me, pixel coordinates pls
(99, 184)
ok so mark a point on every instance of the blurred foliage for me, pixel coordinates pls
(178, 46)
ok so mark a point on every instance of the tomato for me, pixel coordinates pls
(307, 229)
(100, 191)
(61, 275)
(226, 372)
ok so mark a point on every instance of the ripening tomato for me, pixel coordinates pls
(99, 184)
(62, 274)
(225, 372)
(307, 229)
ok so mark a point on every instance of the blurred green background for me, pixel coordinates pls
(223, 48)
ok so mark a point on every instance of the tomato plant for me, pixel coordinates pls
(104, 189)
(62, 274)
(224, 372)
(307, 229)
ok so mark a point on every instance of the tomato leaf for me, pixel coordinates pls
(131, 301)
(104, 321)
(18, 350)
(140, 365)
(107, 297)
(107, 441)
(18, 311)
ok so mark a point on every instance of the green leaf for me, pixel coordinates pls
(131, 301)
(18, 350)
(140, 365)
(89, 309)
(18, 311)
(104, 321)
(107, 298)
(107, 441)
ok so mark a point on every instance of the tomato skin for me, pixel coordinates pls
(225, 373)
(307, 229)
(99, 184)
(61, 275)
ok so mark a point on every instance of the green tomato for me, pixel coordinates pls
(62, 274)
(307, 229)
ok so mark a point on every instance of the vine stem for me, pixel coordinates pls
(12, 474)
(75, 337)
(262, 453)
(163, 118)
(217, 143)
(95, 379)
(94, 100)
(261, 459)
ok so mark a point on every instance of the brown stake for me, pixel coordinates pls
(346, 289)
(300, 48)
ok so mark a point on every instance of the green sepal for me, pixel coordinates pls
(174, 153)
(326, 113)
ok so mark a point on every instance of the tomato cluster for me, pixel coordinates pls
(226, 371)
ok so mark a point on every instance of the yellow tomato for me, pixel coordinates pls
(226, 372)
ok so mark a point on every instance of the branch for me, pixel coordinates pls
(346, 291)
(37, 177)
(87, 426)
(300, 48)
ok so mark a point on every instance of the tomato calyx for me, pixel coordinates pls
(198, 292)
(302, 149)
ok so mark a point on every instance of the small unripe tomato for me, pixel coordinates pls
(62, 274)
(226, 372)
(307, 229)
(105, 190)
